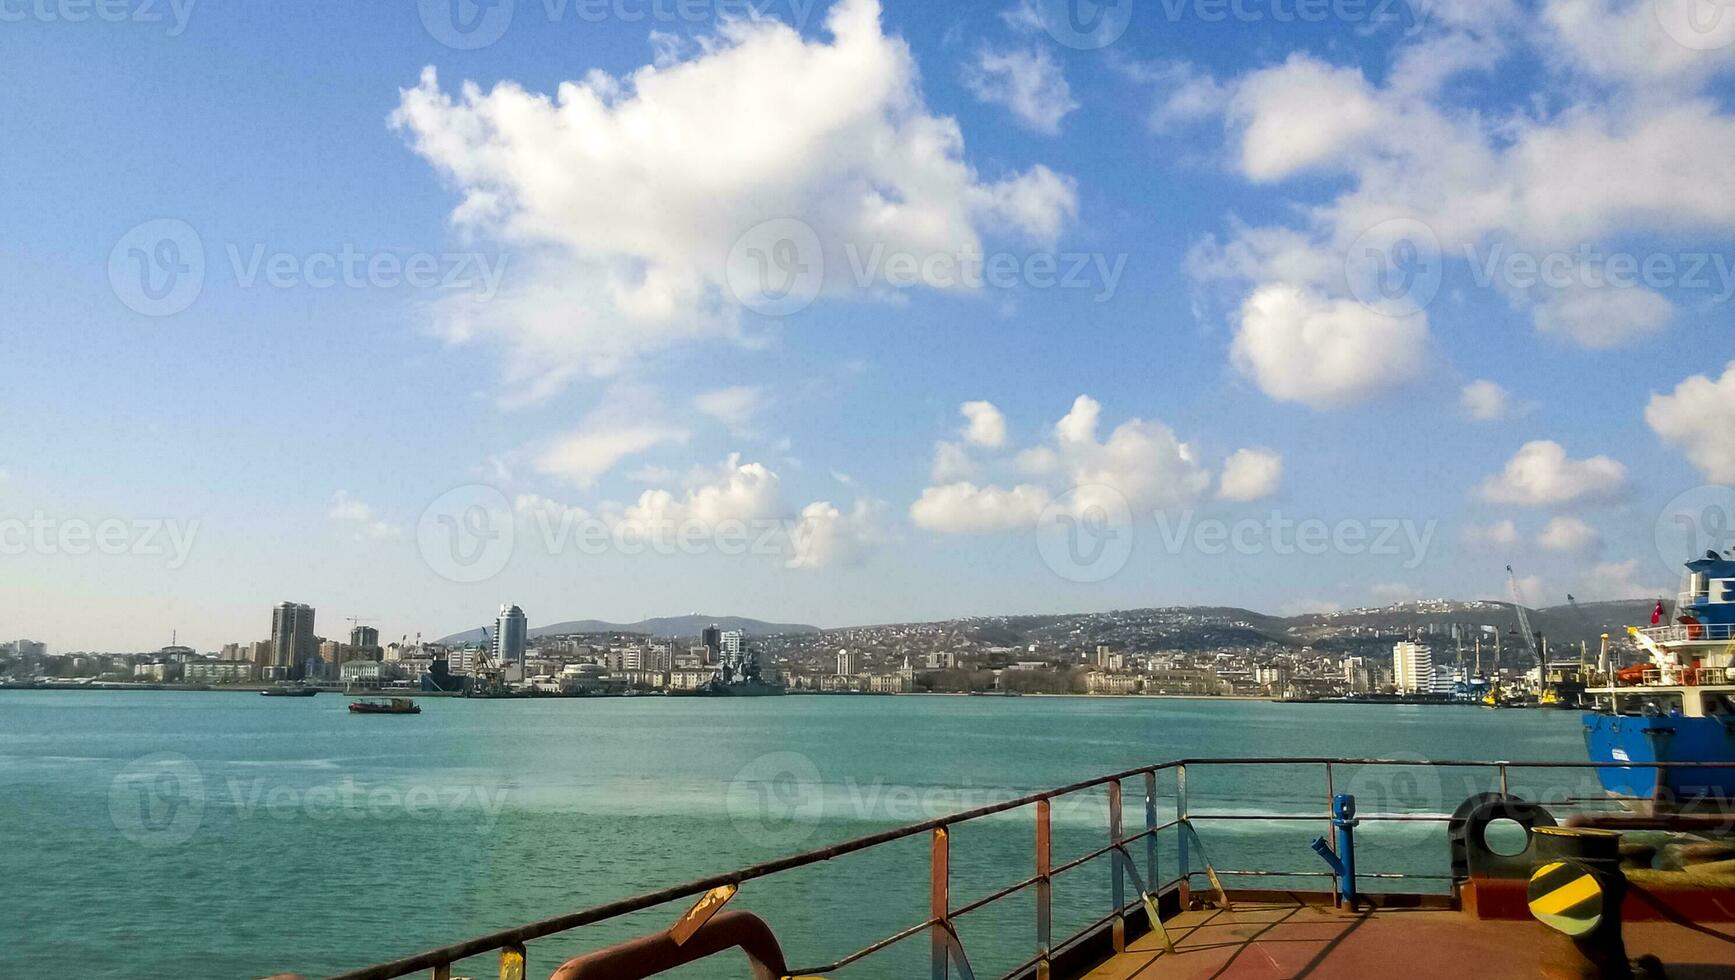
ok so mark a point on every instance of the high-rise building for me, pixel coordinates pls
(510, 630)
(848, 663)
(293, 642)
(364, 637)
(732, 655)
(1412, 668)
(712, 637)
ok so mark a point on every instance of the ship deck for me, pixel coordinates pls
(1291, 939)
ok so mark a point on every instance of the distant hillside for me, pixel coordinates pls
(689, 625)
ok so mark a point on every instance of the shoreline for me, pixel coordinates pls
(255, 689)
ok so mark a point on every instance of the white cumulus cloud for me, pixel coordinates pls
(1250, 474)
(1301, 346)
(620, 199)
(985, 425)
(1540, 475)
(1699, 418)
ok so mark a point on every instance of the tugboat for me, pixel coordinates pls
(395, 706)
(1681, 706)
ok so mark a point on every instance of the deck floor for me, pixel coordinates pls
(1268, 941)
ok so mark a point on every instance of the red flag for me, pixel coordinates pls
(1657, 613)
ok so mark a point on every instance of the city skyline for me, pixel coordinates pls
(918, 427)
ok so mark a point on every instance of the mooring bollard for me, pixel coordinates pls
(1576, 890)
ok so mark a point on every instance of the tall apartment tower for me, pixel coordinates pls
(712, 637)
(293, 642)
(1412, 668)
(732, 657)
(365, 637)
(510, 630)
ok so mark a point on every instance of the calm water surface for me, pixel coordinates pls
(227, 835)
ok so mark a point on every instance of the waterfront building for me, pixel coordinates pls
(1412, 668)
(510, 630)
(364, 637)
(888, 684)
(217, 671)
(293, 642)
(712, 639)
(732, 655)
(30, 648)
(848, 663)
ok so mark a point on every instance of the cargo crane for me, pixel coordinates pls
(1547, 694)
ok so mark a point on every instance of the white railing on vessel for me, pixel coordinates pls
(1683, 633)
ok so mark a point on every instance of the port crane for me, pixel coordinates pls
(1546, 693)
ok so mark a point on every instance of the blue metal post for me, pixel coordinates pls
(1343, 818)
(1342, 860)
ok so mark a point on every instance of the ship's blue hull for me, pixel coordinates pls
(1662, 738)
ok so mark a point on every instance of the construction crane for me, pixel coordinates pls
(1529, 635)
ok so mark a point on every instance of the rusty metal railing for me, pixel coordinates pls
(947, 954)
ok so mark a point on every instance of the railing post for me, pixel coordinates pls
(1330, 797)
(443, 972)
(1117, 925)
(1503, 781)
(512, 959)
(1181, 825)
(1156, 884)
(1044, 867)
(940, 903)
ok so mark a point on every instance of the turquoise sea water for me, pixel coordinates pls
(157, 834)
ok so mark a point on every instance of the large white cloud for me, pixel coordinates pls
(1622, 138)
(1699, 418)
(965, 508)
(1141, 463)
(1540, 474)
(737, 505)
(1300, 114)
(1301, 346)
(620, 199)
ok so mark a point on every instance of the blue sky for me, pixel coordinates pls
(1241, 173)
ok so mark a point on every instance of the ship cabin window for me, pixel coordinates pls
(1718, 704)
(1723, 590)
(1652, 705)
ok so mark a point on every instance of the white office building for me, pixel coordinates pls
(510, 630)
(1412, 668)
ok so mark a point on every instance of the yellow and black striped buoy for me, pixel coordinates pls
(1567, 897)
